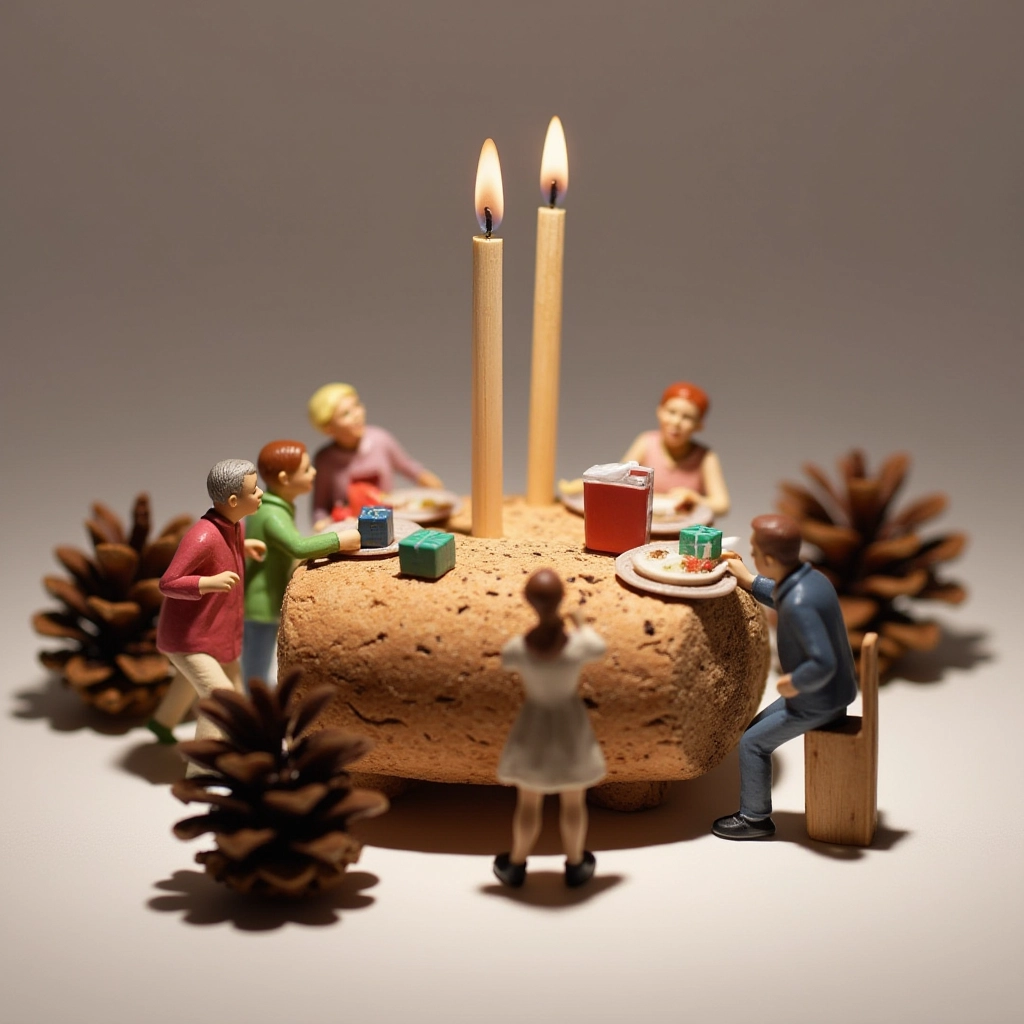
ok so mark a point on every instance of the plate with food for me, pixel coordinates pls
(402, 528)
(424, 505)
(659, 562)
(667, 574)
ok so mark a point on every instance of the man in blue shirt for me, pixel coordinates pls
(818, 680)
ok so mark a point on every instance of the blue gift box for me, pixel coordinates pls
(376, 527)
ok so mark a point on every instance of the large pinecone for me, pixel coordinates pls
(110, 605)
(281, 799)
(876, 557)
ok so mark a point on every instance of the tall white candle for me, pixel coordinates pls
(547, 320)
(487, 384)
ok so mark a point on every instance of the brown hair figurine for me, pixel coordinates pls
(551, 748)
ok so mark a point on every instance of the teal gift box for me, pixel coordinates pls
(427, 553)
(700, 541)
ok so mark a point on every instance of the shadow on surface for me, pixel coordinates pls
(547, 890)
(445, 818)
(791, 828)
(202, 901)
(51, 700)
(159, 764)
(956, 650)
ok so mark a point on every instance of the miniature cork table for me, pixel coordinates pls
(417, 663)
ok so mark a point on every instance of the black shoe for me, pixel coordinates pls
(577, 874)
(736, 826)
(512, 875)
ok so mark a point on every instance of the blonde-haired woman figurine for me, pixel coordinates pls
(356, 453)
(551, 747)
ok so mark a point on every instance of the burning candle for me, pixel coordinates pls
(487, 251)
(547, 320)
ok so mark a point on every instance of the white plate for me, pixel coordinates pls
(627, 574)
(664, 571)
(661, 526)
(403, 527)
(424, 504)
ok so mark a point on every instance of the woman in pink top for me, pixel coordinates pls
(682, 467)
(357, 452)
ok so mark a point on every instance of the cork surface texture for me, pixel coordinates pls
(417, 663)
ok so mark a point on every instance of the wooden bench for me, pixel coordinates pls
(841, 767)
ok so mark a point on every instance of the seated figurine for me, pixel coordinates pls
(687, 471)
(357, 452)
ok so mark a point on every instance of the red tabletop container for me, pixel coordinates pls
(617, 502)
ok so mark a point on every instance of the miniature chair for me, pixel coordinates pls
(841, 766)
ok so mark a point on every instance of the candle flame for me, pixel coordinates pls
(554, 164)
(490, 197)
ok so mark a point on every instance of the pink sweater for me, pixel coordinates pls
(374, 461)
(688, 472)
(194, 623)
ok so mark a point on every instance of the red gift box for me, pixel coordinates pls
(617, 502)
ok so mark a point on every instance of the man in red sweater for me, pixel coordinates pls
(200, 624)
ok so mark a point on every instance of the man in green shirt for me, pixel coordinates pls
(286, 471)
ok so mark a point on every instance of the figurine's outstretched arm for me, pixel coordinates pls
(717, 494)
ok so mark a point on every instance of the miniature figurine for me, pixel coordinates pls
(357, 452)
(683, 468)
(818, 681)
(551, 747)
(287, 473)
(200, 624)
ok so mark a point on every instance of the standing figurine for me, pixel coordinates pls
(287, 473)
(688, 471)
(552, 747)
(200, 624)
(357, 452)
(818, 681)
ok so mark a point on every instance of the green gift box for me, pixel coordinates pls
(700, 541)
(427, 553)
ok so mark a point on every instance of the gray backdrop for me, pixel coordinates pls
(811, 208)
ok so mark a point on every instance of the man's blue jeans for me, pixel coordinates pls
(259, 650)
(775, 725)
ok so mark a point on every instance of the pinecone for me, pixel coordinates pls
(875, 557)
(281, 826)
(109, 614)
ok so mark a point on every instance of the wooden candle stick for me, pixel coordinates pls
(487, 320)
(547, 321)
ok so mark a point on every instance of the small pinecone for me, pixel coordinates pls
(280, 801)
(110, 605)
(874, 556)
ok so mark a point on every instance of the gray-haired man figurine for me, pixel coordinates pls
(818, 680)
(200, 624)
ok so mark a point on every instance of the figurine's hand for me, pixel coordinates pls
(744, 577)
(255, 548)
(349, 540)
(785, 686)
(428, 479)
(685, 498)
(221, 583)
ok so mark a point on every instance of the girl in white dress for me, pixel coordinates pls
(552, 747)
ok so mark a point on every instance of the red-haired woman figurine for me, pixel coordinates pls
(551, 747)
(683, 468)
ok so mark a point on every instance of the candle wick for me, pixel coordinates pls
(488, 222)
(554, 192)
